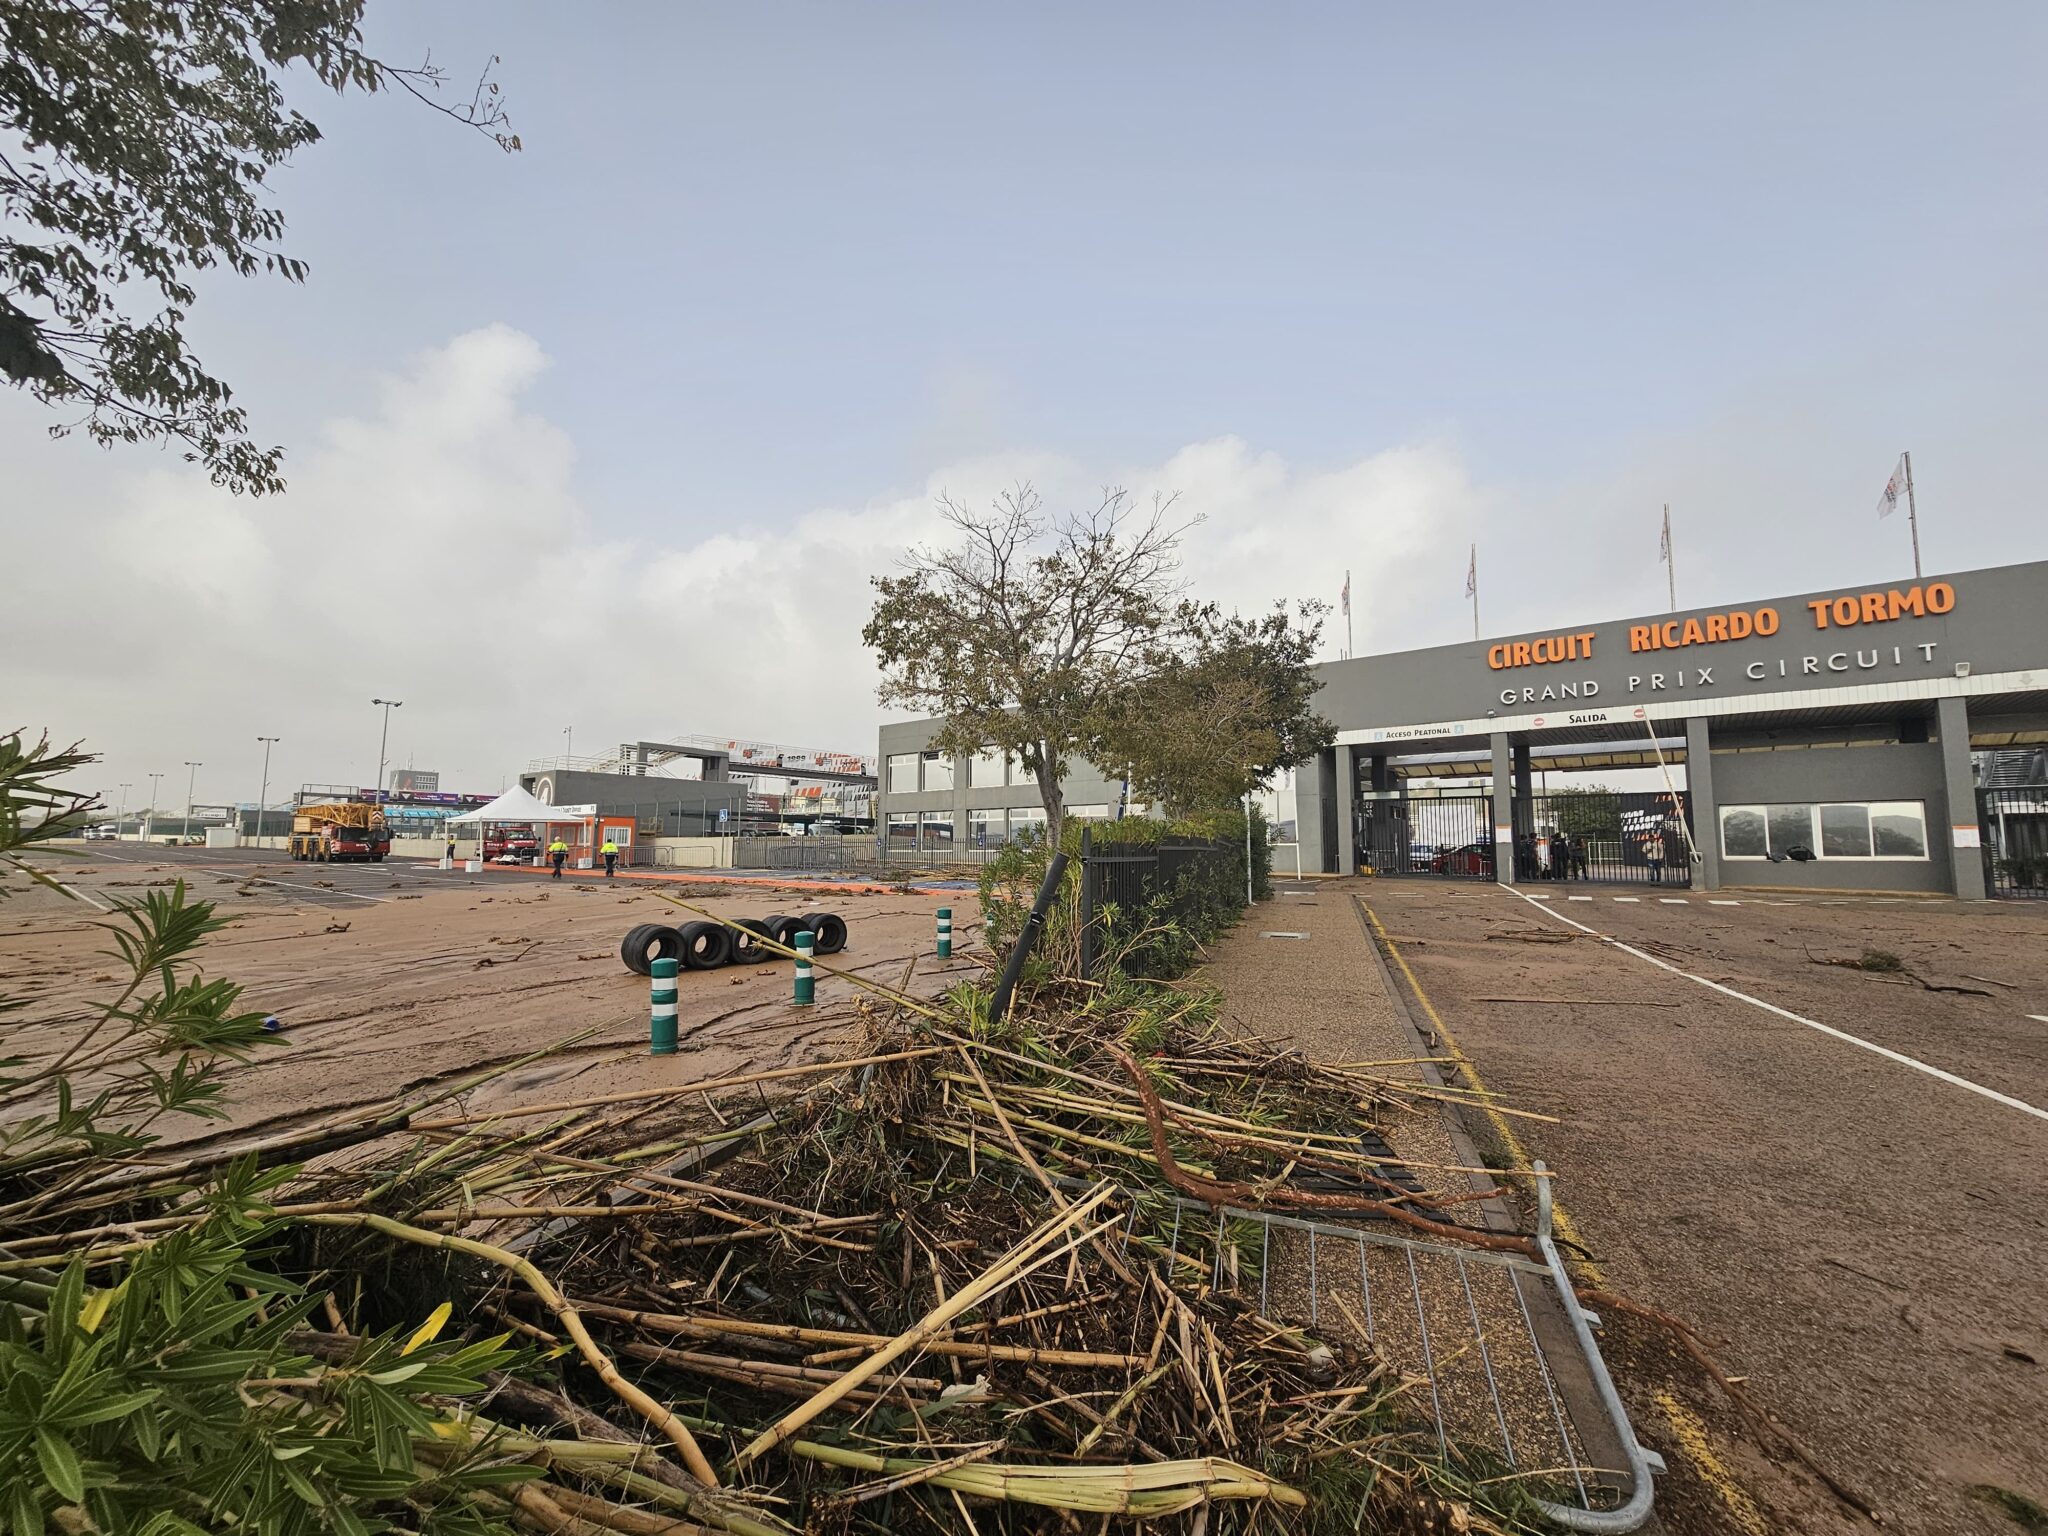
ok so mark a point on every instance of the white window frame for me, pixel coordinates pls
(936, 766)
(892, 764)
(988, 769)
(1870, 808)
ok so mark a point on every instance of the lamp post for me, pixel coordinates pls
(569, 749)
(383, 740)
(190, 779)
(263, 794)
(120, 812)
(152, 804)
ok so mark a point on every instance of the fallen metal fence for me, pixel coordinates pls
(1499, 1342)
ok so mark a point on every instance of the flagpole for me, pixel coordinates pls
(1670, 560)
(1347, 615)
(1912, 515)
(1474, 568)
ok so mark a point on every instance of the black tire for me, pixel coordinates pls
(828, 932)
(706, 946)
(648, 943)
(746, 946)
(783, 930)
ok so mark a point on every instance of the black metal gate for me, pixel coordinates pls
(2013, 827)
(1449, 835)
(1606, 837)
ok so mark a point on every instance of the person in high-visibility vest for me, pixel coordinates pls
(610, 850)
(558, 855)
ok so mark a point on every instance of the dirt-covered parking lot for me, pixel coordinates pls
(393, 978)
(1839, 1176)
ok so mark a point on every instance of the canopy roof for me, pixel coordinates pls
(517, 805)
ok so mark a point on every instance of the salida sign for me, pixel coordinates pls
(1694, 638)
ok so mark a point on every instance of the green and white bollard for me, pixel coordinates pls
(806, 986)
(945, 933)
(661, 1021)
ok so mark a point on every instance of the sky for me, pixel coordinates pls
(608, 436)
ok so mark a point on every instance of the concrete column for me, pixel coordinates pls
(1382, 772)
(1966, 865)
(1311, 795)
(1525, 790)
(1347, 811)
(1706, 814)
(1503, 810)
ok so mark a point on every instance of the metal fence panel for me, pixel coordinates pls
(2013, 828)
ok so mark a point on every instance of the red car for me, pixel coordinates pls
(1471, 859)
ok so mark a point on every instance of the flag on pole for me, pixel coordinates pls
(1664, 543)
(1347, 594)
(1894, 488)
(1472, 574)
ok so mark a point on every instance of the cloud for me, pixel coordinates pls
(434, 548)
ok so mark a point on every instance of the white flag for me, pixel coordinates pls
(1472, 574)
(1894, 488)
(1664, 543)
(1347, 594)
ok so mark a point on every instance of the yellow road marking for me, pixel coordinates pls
(1566, 1228)
(1691, 1434)
(1686, 1426)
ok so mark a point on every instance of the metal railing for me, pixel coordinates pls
(2013, 828)
(1145, 878)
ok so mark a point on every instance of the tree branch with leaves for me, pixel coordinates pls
(136, 139)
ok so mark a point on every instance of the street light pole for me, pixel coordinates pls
(153, 778)
(263, 794)
(191, 779)
(383, 741)
(569, 751)
(120, 811)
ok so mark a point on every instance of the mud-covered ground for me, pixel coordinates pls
(398, 978)
(1856, 1221)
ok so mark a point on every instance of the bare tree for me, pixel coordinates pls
(1022, 634)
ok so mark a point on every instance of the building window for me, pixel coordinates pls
(1088, 812)
(936, 831)
(1024, 818)
(902, 773)
(1850, 829)
(903, 829)
(985, 769)
(938, 771)
(985, 829)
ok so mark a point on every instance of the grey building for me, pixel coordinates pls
(1825, 739)
(945, 806)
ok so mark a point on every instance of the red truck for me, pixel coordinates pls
(510, 845)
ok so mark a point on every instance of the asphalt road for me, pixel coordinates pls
(1839, 1177)
(331, 885)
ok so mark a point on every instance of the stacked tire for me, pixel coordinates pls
(703, 946)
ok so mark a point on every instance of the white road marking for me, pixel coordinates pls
(1540, 898)
(1618, 898)
(2039, 1018)
(1713, 902)
(1827, 1029)
(1673, 901)
(1578, 898)
(257, 874)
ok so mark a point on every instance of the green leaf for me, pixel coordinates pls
(102, 1409)
(60, 1465)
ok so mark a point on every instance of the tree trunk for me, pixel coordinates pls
(1049, 795)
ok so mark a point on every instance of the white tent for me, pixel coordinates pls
(519, 806)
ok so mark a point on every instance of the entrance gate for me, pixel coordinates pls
(1449, 835)
(1606, 837)
(2013, 826)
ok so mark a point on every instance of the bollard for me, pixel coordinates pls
(661, 1022)
(806, 988)
(945, 933)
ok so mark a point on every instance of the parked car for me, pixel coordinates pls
(1470, 859)
(1421, 856)
(104, 831)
